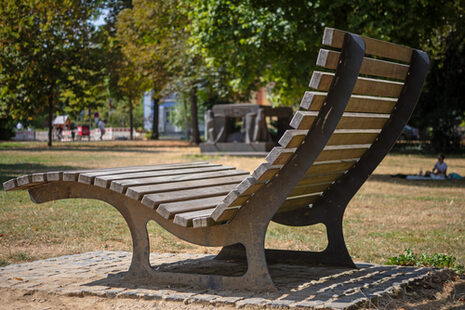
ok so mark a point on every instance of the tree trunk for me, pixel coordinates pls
(50, 120)
(194, 118)
(155, 135)
(186, 119)
(131, 124)
(90, 122)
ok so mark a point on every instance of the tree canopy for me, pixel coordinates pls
(45, 47)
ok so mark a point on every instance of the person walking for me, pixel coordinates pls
(101, 126)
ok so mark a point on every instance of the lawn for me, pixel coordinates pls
(386, 216)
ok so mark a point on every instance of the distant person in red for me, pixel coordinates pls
(439, 170)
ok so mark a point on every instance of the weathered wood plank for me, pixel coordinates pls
(185, 219)
(279, 155)
(10, 185)
(292, 138)
(303, 120)
(39, 177)
(234, 198)
(249, 186)
(370, 66)
(335, 38)
(322, 178)
(105, 180)
(313, 101)
(353, 136)
(169, 210)
(54, 176)
(265, 172)
(342, 152)
(24, 180)
(153, 200)
(363, 86)
(88, 177)
(329, 166)
(137, 192)
(309, 189)
(121, 186)
(298, 202)
(209, 221)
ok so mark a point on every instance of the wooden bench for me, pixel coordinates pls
(345, 127)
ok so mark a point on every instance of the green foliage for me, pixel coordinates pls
(4, 263)
(6, 128)
(46, 47)
(435, 260)
(263, 42)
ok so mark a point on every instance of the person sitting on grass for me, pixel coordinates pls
(439, 170)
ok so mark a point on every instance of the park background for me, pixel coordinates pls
(77, 58)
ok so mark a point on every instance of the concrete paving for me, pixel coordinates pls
(100, 274)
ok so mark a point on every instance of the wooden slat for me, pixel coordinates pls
(23, 180)
(265, 172)
(329, 166)
(303, 120)
(279, 155)
(323, 178)
(153, 200)
(39, 177)
(105, 181)
(185, 219)
(88, 177)
(234, 198)
(353, 136)
(137, 192)
(342, 152)
(297, 202)
(121, 186)
(313, 101)
(370, 66)
(292, 138)
(364, 86)
(10, 185)
(209, 221)
(54, 176)
(309, 189)
(169, 210)
(335, 38)
(249, 186)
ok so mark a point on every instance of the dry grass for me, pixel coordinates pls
(385, 217)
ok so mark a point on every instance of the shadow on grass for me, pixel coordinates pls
(132, 148)
(10, 171)
(425, 183)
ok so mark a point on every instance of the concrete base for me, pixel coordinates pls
(101, 274)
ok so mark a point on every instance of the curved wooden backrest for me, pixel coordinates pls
(381, 102)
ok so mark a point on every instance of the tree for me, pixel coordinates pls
(45, 46)
(149, 33)
(273, 43)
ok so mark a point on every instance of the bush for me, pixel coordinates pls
(6, 128)
(435, 260)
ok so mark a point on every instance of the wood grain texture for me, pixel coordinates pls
(265, 172)
(105, 181)
(303, 120)
(121, 186)
(153, 200)
(363, 86)
(279, 155)
(297, 202)
(353, 136)
(335, 38)
(313, 101)
(185, 219)
(207, 221)
(88, 177)
(137, 192)
(169, 210)
(370, 66)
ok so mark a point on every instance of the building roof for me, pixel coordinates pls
(60, 120)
